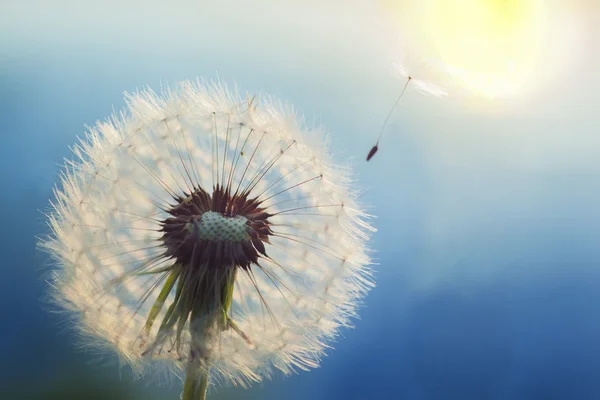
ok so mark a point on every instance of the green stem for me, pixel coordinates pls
(196, 383)
(206, 315)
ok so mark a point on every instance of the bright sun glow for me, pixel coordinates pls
(488, 45)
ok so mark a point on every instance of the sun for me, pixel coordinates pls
(490, 46)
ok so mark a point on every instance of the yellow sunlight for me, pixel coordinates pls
(490, 46)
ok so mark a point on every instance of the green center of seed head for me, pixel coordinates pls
(214, 226)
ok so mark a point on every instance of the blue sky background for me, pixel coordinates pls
(488, 211)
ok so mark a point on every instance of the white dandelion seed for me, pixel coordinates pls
(210, 234)
(422, 86)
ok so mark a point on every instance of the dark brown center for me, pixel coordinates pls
(216, 230)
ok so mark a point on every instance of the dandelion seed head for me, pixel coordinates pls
(214, 226)
(202, 228)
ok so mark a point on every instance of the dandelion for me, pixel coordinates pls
(422, 86)
(209, 235)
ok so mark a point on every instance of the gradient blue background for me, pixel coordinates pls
(488, 242)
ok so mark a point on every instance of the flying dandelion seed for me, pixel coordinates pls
(208, 234)
(422, 86)
(486, 47)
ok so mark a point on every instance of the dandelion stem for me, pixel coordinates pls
(196, 383)
(208, 316)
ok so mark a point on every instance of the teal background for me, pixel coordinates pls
(487, 250)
